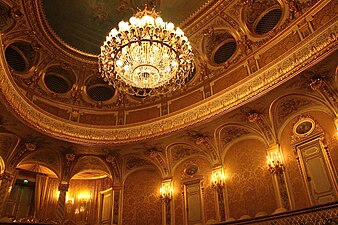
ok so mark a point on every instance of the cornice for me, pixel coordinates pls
(309, 52)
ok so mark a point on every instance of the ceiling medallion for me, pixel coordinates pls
(146, 56)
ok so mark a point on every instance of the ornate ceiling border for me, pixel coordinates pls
(309, 52)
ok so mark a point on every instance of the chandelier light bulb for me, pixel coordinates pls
(170, 26)
(142, 58)
(113, 33)
(133, 20)
(159, 21)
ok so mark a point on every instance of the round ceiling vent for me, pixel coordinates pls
(15, 59)
(20, 56)
(224, 52)
(57, 83)
(100, 92)
(59, 80)
(262, 16)
(268, 21)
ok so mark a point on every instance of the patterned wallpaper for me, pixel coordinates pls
(141, 203)
(249, 184)
(296, 182)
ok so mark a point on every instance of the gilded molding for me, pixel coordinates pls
(309, 52)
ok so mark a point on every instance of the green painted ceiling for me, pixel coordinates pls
(84, 24)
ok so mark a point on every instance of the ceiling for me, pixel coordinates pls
(86, 25)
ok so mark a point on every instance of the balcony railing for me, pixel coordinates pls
(317, 215)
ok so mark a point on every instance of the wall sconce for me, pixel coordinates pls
(69, 201)
(166, 190)
(274, 162)
(218, 177)
(84, 197)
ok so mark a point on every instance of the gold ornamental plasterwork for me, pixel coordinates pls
(308, 53)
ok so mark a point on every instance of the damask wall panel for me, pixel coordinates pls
(53, 109)
(249, 183)
(142, 115)
(229, 79)
(141, 199)
(190, 170)
(108, 119)
(325, 15)
(186, 101)
(178, 204)
(278, 49)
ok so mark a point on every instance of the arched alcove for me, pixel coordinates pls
(141, 202)
(249, 184)
(34, 192)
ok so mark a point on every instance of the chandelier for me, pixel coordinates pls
(146, 56)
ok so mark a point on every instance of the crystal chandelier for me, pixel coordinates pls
(146, 56)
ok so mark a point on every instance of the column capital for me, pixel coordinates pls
(6, 176)
(63, 187)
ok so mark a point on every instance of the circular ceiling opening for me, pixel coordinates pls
(20, 56)
(224, 52)
(100, 92)
(268, 21)
(57, 83)
(59, 80)
(15, 59)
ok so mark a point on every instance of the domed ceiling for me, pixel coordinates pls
(85, 26)
(55, 87)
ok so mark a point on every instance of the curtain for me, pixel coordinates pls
(40, 193)
(46, 193)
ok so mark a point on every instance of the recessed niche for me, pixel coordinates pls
(100, 92)
(268, 21)
(224, 52)
(15, 59)
(304, 127)
(59, 80)
(262, 16)
(219, 46)
(20, 56)
(191, 170)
